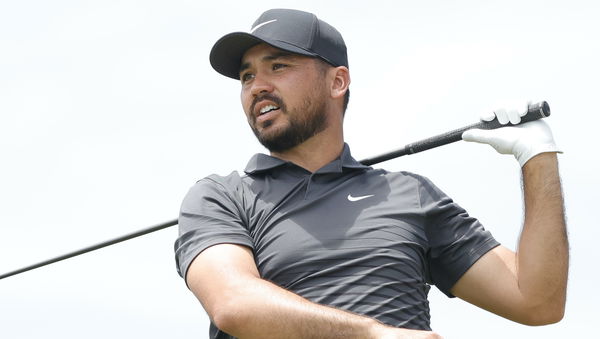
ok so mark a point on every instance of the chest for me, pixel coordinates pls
(312, 231)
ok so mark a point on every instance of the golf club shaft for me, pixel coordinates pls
(92, 248)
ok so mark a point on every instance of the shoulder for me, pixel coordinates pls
(424, 189)
(231, 182)
(405, 178)
(215, 187)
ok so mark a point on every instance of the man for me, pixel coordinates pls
(309, 243)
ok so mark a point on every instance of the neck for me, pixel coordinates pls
(315, 152)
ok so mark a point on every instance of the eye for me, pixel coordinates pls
(278, 66)
(246, 77)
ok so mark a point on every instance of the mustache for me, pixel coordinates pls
(271, 97)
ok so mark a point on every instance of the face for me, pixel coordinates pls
(284, 96)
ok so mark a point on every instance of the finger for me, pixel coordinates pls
(496, 138)
(488, 116)
(524, 112)
(514, 117)
(502, 116)
(476, 135)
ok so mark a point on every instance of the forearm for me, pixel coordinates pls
(225, 280)
(260, 309)
(543, 252)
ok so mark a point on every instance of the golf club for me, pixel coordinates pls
(534, 112)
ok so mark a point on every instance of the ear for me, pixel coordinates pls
(341, 81)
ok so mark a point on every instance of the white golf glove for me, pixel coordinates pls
(523, 141)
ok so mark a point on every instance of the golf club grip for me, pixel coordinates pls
(534, 112)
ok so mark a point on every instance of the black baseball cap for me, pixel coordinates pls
(287, 29)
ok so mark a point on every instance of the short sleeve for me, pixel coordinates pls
(456, 240)
(210, 214)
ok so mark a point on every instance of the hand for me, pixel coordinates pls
(523, 141)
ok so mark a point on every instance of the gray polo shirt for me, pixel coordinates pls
(349, 236)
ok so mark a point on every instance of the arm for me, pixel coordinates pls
(528, 286)
(226, 281)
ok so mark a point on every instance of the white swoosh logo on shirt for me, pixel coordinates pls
(262, 24)
(351, 198)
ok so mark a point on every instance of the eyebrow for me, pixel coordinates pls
(270, 57)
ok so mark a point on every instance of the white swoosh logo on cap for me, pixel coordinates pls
(351, 198)
(262, 24)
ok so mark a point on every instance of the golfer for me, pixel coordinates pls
(309, 243)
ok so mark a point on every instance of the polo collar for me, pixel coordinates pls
(263, 163)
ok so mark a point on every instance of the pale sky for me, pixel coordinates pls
(110, 111)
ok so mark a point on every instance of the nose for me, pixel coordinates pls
(260, 85)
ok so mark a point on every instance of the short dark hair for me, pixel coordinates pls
(346, 100)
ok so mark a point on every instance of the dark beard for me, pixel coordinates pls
(296, 133)
(303, 124)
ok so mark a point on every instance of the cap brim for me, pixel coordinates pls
(226, 55)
